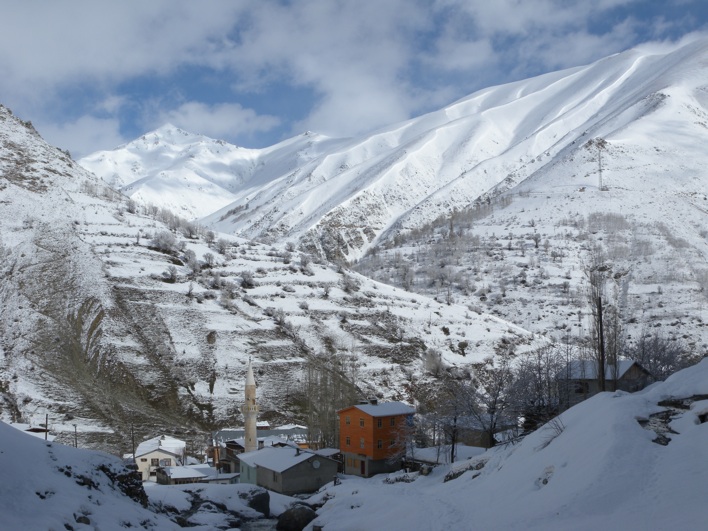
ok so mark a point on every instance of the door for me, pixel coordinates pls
(363, 467)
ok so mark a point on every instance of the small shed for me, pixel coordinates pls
(579, 380)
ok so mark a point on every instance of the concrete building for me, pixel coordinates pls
(160, 451)
(228, 444)
(370, 436)
(287, 470)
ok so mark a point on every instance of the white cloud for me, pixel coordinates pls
(82, 136)
(226, 120)
(367, 62)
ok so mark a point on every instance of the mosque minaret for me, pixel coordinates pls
(250, 412)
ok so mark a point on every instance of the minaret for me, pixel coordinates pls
(250, 412)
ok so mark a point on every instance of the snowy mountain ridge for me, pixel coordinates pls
(194, 175)
(345, 197)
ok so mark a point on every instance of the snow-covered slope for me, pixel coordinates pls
(103, 327)
(596, 467)
(51, 486)
(341, 199)
(194, 175)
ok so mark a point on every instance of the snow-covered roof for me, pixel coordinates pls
(276, 459)
(328, 452)
(161, 442)
(288, 433)
(272, 440)
(35, 431)
(587, 370)
(386, 409)
(183, 472)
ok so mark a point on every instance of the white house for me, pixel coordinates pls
(160, 451)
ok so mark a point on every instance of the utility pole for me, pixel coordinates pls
(599, 164)
(601, 369)
(46, 425)
(132, 439)
(601, 144)
(76, 444)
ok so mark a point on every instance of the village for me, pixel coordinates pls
(374, 438)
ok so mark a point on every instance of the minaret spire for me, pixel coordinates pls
(250, 411)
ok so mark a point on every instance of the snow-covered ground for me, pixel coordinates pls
(102, 329)
(595, 468)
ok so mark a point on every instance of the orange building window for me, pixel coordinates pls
(379, 422)
(379, 444)
(347, 421)
(361, 422)
(349, 441)
(361, 442)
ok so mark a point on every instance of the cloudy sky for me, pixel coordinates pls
(92, 74)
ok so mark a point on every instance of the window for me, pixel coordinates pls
(275, 477)
(361, 442)
(154, 462)
(143, 459)
(361, 422)
(347, 420)
(165, 462)
(379, 422)
(391, 443)
(349, 441)
(393, 421)
(379, 444)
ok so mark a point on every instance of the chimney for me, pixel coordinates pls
(374, 401)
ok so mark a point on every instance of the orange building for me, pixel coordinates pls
(368, 436)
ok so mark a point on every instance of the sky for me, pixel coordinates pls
(94, 74)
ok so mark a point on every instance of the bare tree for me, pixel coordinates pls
(606, 316)
(328, 387)
(493, 379)
(453, 411)
(661, 356)
(597, 277)
(535, 388)
(164, 241)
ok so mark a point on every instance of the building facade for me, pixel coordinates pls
(161, 451)
(372, 437)
(287, 470)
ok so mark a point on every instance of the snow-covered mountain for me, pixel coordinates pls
(194, 175)
(112, 315)
(340, 199)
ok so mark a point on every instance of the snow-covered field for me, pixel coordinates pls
(595, 468)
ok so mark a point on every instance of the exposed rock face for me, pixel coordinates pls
(259, 500)
(296, 518)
